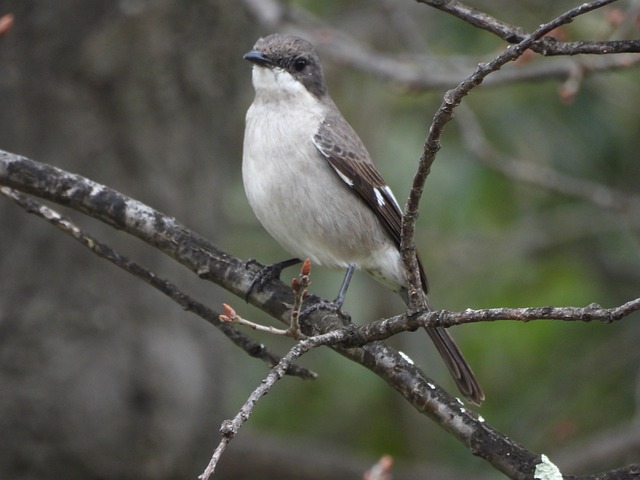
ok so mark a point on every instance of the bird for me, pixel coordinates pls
(313, 186)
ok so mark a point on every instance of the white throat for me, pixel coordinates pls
(278, 85)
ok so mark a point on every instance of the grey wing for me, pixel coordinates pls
(344, 151)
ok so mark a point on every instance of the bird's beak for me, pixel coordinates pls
(258, 58)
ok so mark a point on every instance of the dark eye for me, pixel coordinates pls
(299, 64)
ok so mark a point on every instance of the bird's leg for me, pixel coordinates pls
(345, 285)
(267, 273)
(336, 305)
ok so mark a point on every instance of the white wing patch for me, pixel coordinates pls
(391, 196)
(379, 197)
(319, 147)
(344, 178)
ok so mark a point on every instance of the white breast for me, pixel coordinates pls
(294, 192)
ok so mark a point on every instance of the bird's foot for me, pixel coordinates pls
(336, 305)
(326, 305)
(267, 273)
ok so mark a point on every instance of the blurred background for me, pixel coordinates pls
(102, 377)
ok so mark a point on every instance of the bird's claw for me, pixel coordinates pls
(266, 274)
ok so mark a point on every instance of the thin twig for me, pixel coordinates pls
(250, 346)
(444, 114)
(230, 316)
(420, 72)
(299, 286)
(381, 470)
(230, 428)
(545, 46)
(383, 329)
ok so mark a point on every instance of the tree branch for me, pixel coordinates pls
(383, 329)
(548, 46)
(230, 428)
(396, 369)
(427, 72)
(250, 346)
(205, 259)
(444, 114)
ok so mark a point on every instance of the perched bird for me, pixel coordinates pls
(311, 182)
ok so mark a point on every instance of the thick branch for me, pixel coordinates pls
(127, 214)
(250, 346)
(203, 258)
(200, 256)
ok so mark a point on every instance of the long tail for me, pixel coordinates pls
(457, 365)
(454, 360)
